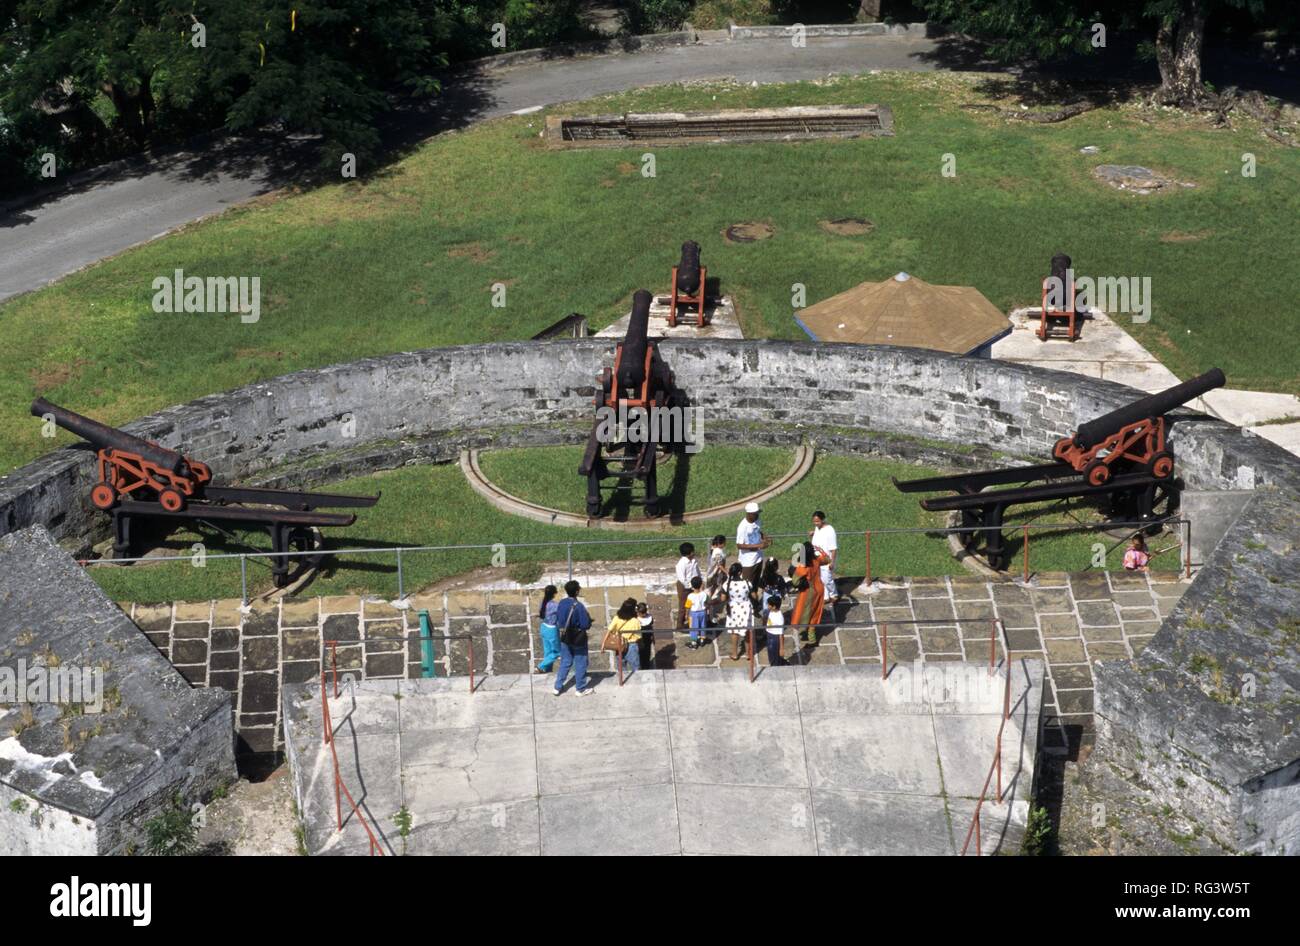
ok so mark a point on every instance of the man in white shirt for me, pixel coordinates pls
(823, 537)
(687, 568)
(750, 543)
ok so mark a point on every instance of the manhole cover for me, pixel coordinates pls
(748, 232)
(847, 226)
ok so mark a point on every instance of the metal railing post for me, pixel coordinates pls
(471, 664)
(243, 580)
(993, 640)
(749, 647)
(884, 649)
(1025, 531)
(400, 595)
(569, 551)
(867, 580)
(1187, 546)
(619, 656)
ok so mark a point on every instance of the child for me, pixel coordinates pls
(740, 608)
(550, 633)
(687, 569)
(1136, 558)
(647, 644)
(697, 603)
(773, 583)
(775, 632)
(716, 576)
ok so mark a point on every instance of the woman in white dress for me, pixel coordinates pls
(740, 607)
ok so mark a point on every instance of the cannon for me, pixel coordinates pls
(689, 279)
(1062, 275)
(1121, 459)
(137, 478)
(1133, 435)
(628, 431)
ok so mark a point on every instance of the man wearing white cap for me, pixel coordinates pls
(750, 543)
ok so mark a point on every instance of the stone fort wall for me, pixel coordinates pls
(316, 425)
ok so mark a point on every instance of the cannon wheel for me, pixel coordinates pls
(1096, 473)
(171, 500)
(1162, 465)
(103, 496)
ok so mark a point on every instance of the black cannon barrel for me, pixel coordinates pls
(1153, 405)
(631, 367)
(102, 436)
(688, 270)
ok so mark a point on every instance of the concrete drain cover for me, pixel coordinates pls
(1135, 178)
(748, 232)
(847, 226)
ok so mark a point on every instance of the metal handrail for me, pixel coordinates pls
(340, 787)
(995, 765)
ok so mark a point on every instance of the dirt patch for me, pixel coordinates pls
(252, 818)
(243, 353)
(46, 379)
(473, 251)
(750, 232)
(847, 226)
(607, 182)
(626, 167)
(1182, 236)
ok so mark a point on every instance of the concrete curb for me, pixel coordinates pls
(813, 30)
(478, 481)
(595, 47)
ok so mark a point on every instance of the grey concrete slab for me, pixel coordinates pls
(612, 822)
(642, 695)
(780, 823)
(446, 703)
(495, 830)
(741, 751)
(848, 689)
(448, 768)
(1001, 827)
(730, 694)
(872, 753)
(880, 823)
(583, 756)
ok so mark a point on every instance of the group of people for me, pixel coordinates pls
(748, 593)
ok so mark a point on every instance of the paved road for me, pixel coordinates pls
(45, 241)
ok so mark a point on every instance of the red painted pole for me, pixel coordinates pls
(334, 662)
(884, 650)
(1025, 529)
(750, 647)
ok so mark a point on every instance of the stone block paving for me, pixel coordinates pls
(1071, 621)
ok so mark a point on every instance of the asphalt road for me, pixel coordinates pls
(146, 198)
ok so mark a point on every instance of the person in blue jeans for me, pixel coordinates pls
(550, 632)
(574, 622)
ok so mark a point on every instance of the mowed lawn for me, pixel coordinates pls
(407, 259)
(435, 506)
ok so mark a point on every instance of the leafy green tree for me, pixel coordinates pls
(1048, 28)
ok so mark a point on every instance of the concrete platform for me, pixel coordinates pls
(805, 760)
(721, 313)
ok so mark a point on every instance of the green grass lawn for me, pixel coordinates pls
(406, 260)
(434, 505)
(548, 476)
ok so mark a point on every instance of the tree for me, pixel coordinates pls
(1050, 28)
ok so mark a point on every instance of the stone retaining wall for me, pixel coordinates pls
(315, 425)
